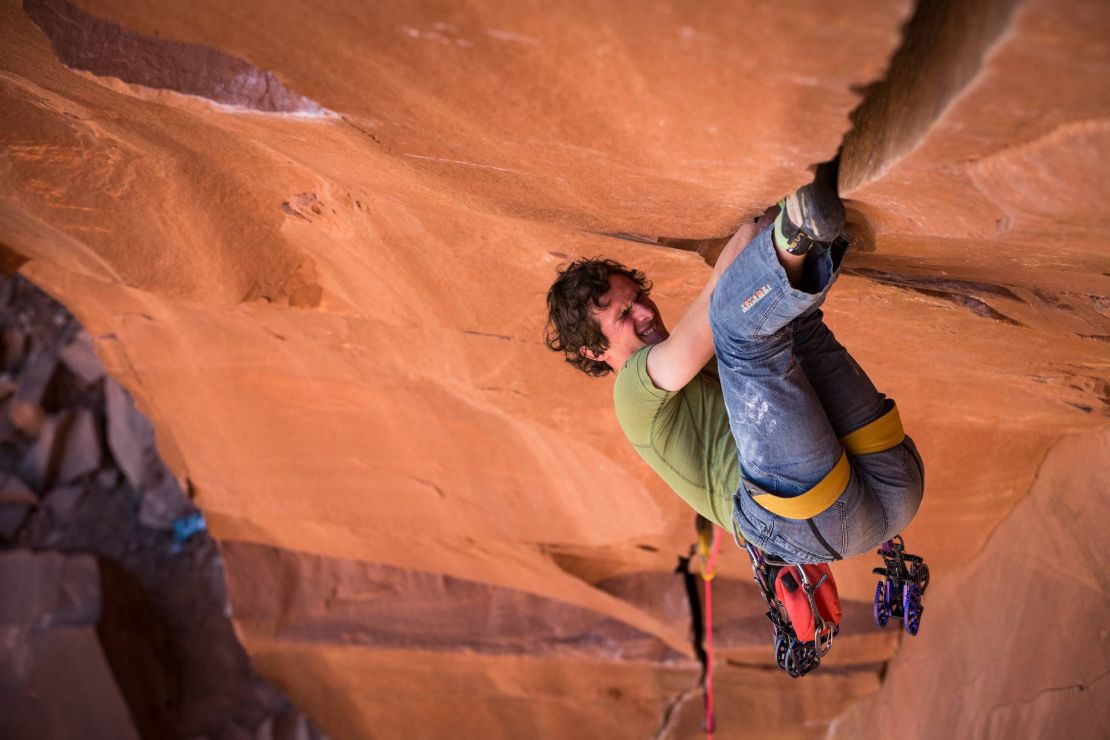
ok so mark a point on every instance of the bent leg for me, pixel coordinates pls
(888, 484)
(848, 397)
(785, 442)
(769, 337)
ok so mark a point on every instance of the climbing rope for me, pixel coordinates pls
(708, 555)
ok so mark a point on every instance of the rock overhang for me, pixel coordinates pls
(300, 300)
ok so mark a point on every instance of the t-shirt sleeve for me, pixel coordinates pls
(638, 400)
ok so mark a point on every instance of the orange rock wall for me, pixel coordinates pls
(1017, 639)
(334, 321)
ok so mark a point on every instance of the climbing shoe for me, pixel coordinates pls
(813, 214)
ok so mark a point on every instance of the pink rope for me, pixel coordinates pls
(707, 575)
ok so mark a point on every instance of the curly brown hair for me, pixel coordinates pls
(571, 300)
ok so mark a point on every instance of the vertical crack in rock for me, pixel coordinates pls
(697, 627)
(85, 42)
(943, 48)
(671, 713)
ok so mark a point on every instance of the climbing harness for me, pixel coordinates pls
(708, 555)
(898, 594)
(880, 435)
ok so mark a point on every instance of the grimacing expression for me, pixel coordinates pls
(629, 319)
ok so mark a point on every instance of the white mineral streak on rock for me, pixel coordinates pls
(512, 37)
(459, 161)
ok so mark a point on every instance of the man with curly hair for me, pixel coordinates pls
(784, 440)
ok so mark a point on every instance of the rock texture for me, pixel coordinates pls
(333, 320)
(120, 626)
(54, 678)
(1019, 630)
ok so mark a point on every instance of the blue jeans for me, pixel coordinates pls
(792, 391)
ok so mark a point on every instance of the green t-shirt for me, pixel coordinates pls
(683, 435)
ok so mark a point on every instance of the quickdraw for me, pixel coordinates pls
(898, 594)
(795, 656)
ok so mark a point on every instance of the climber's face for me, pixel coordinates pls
(629, 319)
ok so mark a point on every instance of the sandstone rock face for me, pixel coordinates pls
(54, 678)
(1019, 631)
(333, 317)
(115, 617)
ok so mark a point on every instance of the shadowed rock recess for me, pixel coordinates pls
(120, 627)
(428, 525)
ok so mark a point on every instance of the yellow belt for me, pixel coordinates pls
(881, 434)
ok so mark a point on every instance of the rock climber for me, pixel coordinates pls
(784, 440)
